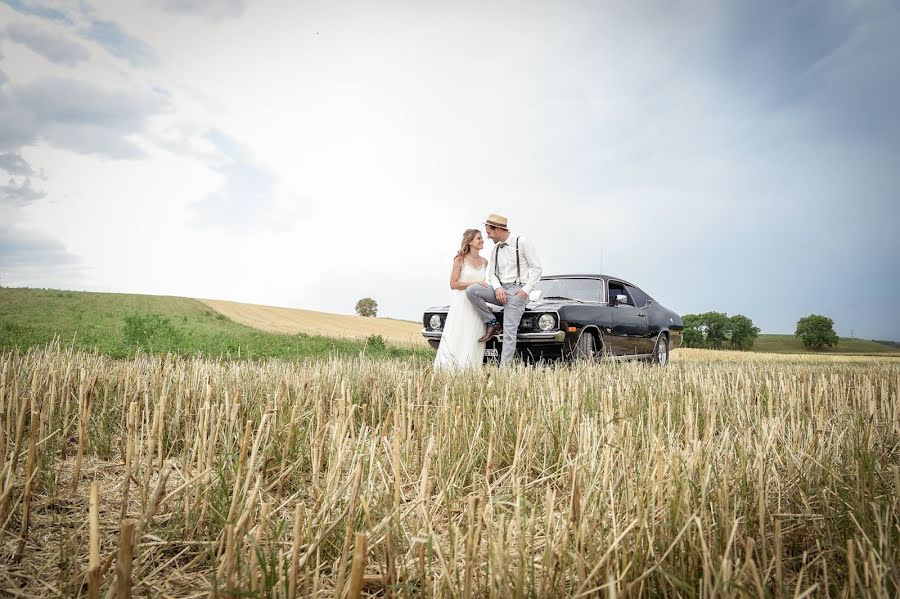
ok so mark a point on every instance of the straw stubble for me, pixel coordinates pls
(725, 473)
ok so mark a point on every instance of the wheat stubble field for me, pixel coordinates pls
(293, 320)
(723, 475)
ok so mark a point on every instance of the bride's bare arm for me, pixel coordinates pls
(454, 275)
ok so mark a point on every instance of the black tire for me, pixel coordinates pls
(660, 355)
(584, 347)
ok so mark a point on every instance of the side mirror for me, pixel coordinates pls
(621, 299)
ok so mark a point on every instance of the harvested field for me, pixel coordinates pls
(292, 320)
(717, 476)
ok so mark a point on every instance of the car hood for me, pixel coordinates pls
(547, 304)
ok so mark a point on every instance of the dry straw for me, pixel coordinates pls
(724, 474)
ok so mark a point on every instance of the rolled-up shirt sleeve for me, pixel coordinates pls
(535, 269)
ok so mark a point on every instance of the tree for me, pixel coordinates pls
(717, 325)
(816, 331)
(367, 307)
(742, 332)
(693, 331)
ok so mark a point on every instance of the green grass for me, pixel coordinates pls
(121, 325)
(788, 344)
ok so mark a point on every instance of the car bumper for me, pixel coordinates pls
(526, 338)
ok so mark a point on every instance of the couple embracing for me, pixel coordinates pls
(504, 280)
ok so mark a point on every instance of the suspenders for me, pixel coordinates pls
(518, 268)
(497, 265)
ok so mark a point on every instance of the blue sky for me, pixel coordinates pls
(738, 157)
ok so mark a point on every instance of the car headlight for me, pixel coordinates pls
(546, 322)
(435, 322)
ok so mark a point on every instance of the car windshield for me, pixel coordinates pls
(585, 290)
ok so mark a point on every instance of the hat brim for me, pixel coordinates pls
(496, 225)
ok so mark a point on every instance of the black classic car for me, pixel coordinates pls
(583, 317)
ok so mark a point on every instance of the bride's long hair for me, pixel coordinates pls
(468, 236)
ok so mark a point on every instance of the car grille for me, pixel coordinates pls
(529, 321)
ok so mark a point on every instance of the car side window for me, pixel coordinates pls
(612, 289)
(618, 289)
(640, 298)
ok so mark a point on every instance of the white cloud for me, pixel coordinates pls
(56, 48)
(19, 193)
(30, 258)
(213, 9)
(14, 164)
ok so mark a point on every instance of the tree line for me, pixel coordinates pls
(715, 330)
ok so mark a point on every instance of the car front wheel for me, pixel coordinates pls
(661, 351)
(584, 347)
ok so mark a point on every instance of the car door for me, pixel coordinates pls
(629, 323)
(643, 343)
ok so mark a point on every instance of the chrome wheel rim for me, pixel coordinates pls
(663, 353)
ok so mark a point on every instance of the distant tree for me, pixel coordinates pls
(713, 329)
(693, 331)
(742, 333)
(717, 326)
(367, 307)
(816, 332)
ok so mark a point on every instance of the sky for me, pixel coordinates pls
(741, 157)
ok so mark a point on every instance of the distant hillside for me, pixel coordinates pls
(121, 324)
(789, 344)
(293, 320)
(894, 344)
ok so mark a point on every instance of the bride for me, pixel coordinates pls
(459, 347)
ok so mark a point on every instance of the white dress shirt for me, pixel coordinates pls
(505, 266)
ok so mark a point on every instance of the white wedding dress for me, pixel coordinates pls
(459, 347)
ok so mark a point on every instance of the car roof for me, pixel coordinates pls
(589, 276)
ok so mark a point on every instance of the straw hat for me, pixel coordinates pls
(495, 220)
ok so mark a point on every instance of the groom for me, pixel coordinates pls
(513, 269)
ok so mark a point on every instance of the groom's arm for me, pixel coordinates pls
(534, 265)
(493, 281)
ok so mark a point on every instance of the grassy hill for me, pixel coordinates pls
(788, 344)
(121, 325)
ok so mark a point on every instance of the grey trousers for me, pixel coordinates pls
(481, 296)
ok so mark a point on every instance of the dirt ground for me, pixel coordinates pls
(292, 320)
